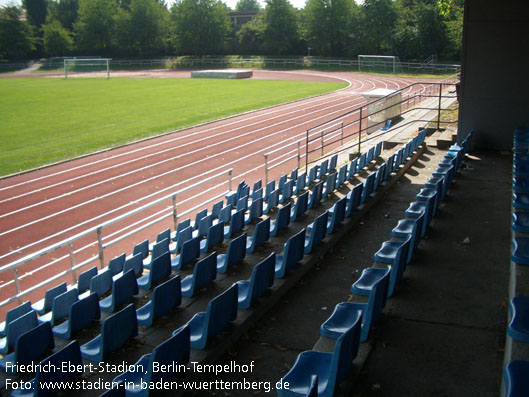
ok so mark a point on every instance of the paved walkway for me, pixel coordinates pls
(443, 332)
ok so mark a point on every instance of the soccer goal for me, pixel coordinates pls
(379, 63)
(86, 65)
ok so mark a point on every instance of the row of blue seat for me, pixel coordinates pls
(248, 288)
(350, 322)
(516, 372)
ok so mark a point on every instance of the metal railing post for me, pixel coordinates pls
(72, 261)
(229, 180)
(299, 153)
(321, 143)
(99, 246)
(266, 168)
(307, 152)
(175, 214)
(17, 283)
(360, 130)
(439, 109)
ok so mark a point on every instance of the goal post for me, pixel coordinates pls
(86, 65)
(379, 63)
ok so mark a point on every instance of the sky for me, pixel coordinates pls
(230, 3)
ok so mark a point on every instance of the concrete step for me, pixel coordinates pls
(447, 138)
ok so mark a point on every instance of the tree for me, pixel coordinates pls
(143, 29)
(64, 11)
(57, 40)
(251, 36)
(377, 21)
(95, 28)
(247, 5)
(327, 26)
(200, 26)
(36, 11)
(281, 27)
(17, 37)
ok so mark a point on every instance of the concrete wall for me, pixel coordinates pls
(495, 71)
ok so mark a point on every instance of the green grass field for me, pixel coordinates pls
(44, 120)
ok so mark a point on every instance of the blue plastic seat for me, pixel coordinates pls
(164, 297)
(316, 195)
(123, 288)
(520, 250)
(370, 155)
(190, 251)
(16, 328)
(287, 191)
(262, 278)
(518, 327)
(323, 169)
(256, 211)
(342, 175)
(184, 235)
(220, 312)
(282, 220)
(115, 266)
(439, 183)
(294, 174)
(101, 283)
(520, 185)
(234, 254)
(336, 215)
(516, 377)
(329, 185)
(425, 194)
(168, 354)
(272, 202)
(158, 249)
(81, 314)
(520, 201)
(315, 232)
(204, 272)
(165, 234)
(44, 305)
(347, 313)
(330, 368)
(215, 210)
(115, 331)
(313, 173)
(29, 346)
(301, 183)
(60, 307)
(300, 206)
(333, 162)
(236, 224)
(391, 252)
(520, 222)
(256, 186)
(225, 214)
(371, 275)
(135, 263)
(418, 208)
(13, 314)
(378, 149)
(142, 248)
(203, 226)
(242, 204)
(389, 167)
(409, 227)
(369, 184)
(83, 281)
(354, 198)
(270, 187)
(351, 171)
(198, 217)
(69, 354)
(257, 194)
(160, 269)
(214, 237)
(379, 176)
(293, 252)
(362, 162)
(261, 234)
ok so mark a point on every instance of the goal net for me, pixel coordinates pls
(379, 63)
(87, 65)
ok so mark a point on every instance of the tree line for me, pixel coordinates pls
(411, 29)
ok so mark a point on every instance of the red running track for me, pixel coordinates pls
(45, 206)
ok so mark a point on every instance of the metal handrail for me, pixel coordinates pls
(98, 230)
